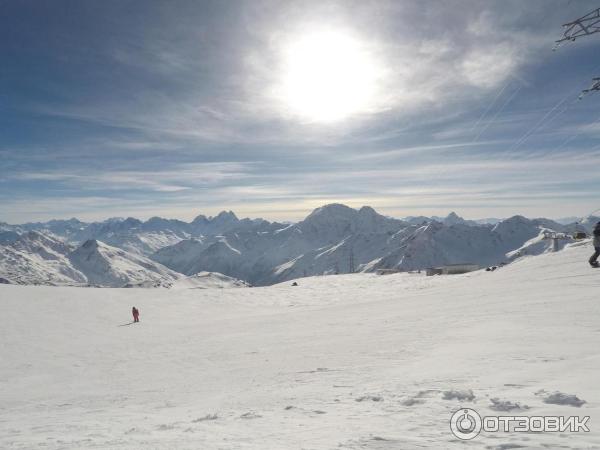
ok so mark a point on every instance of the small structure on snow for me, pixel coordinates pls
(555, 237)
(387, 271)
(451, 269)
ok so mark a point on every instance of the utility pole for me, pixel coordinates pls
(351, 262)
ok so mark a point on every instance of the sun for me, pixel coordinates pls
(328, 76)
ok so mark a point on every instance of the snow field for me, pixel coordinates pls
(351, 361)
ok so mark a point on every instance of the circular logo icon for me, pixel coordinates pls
(465, 424)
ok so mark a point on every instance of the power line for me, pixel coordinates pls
(523, 138)
(498, 112)
(542, 121)
(575, 135)
(491, 105)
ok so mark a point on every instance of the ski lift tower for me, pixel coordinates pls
(584, 26)
(555, 237)
(594, 87)
(579, 232)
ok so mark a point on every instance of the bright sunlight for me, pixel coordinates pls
(328, 76)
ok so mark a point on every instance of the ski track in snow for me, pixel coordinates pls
(339, 362)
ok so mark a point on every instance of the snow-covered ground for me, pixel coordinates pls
(351, 361)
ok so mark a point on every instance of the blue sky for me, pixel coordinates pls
(143, 108)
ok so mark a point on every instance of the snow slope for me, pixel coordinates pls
(540, 244)
(182, 255)
(348, 362)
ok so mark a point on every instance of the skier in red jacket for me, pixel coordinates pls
(136, 314)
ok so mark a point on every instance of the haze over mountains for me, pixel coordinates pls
(332, 239)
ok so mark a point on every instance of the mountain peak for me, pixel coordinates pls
(200, 218)
(368, 211)
(224, 219)
(90, 244)
(453, 219)
(332, 209)
(132, 221)
(515, 219)
(156, 219)
(105, 265)
(226, 215)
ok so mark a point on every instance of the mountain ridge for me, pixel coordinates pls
(333, 238)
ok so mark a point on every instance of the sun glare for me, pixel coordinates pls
(328, 76)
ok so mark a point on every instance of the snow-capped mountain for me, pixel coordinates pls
(134, 235)
(332, 239)
(63, 228)
(339, 239)
(224, 221)
(104, 265)
(9, 233)
(517, 230)
(181, 255)
(450, 219)
(8, 236)
(270, 254)
(437, 244)
(330, 223)
(454, 219)
(488, 221)
(37, 258)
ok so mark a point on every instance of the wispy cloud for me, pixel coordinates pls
(174, 179)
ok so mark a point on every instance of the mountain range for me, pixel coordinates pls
(335, 238)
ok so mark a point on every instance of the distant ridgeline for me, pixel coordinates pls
(332, 239)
